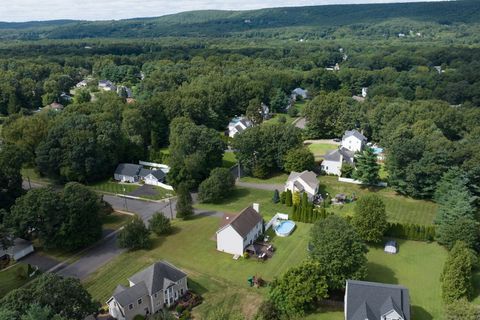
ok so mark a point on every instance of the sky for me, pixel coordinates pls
(28, 10)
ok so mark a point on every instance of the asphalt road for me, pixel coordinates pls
(144, 209)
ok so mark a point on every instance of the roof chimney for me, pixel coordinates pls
(256, 207)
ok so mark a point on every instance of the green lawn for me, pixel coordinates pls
(34, 176)
(214, 274)
(417, 266)
(278, 178)
(114, 187)
(240, 198)
(13, 278)
(399, 208)
(277, 116)
(115, 220)
(320, 149)
(229, 160)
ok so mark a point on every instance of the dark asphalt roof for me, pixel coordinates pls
(128, 169)
(370, 300)
(245, 221)
(131, 294)
(158, 276)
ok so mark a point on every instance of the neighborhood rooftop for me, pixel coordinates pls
(336, 155)
(308, 176)
(128, 169)
(370, 300)
(354, 133)
(158, 276)
(245, 221)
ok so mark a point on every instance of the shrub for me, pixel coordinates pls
(298, 160)
(134, 235)
(276, 197)
(159, 224)
(217, 186)
(283, 197)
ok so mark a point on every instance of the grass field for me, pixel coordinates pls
(229, 160)
(114, 187)
(241, 198)
(277, 178)
(417, 266)
(13, 278)
(399, 208)
(213, 274)
(32, 174)
(277, 116)
(320, 149)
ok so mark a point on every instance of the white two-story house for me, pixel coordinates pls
(305, 181)
(240, 231)
(352, 142)
(152, 289)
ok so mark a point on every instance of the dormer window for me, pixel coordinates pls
(130, 306)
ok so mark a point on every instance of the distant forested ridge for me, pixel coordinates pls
(333, 21)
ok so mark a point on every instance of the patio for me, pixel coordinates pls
(260, 250)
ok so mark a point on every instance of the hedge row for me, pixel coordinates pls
(410, 231)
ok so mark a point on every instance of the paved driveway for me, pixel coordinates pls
(144, 209)
(261, 186)
(44, 263)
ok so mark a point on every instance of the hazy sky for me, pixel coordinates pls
(26, 10)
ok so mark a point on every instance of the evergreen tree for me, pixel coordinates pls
(296, 198)
(283, 196)
(276, 197)
(134, 235)
(457, 274)
(370, 219)
(367, 167)
(288, 198)
(455, 202)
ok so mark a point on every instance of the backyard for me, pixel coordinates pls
(320, 149)
(213, 274)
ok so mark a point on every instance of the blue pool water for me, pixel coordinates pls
(377, 150)
(285, 228)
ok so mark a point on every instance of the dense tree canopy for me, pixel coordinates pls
(370, 218)
(11, 160)
(261, 150)
(217, 186)
(60, 297)
(339, 250)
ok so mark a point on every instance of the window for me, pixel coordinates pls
(155, 295)
(130, 306)
(181, 292)
(139, 301)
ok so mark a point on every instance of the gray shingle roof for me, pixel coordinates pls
(131, 294)
(245, 221)
(336, 155)
(159, 174)
(370, 300)
(308, 176)
(354, 133)
(158, 276)
(128, 169)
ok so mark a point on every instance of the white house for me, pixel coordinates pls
(152, 177)
(150, 290)
(364, 92)
(82, 84)
(127, 172)
(305, 181)
(334, 160)
(240, 231)
(20, 249)
(238, 125)
(376, 301)
(353, 140)
(299, 92)
(106, 85)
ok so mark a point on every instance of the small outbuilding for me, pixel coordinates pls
(391, 247)
(20, 249)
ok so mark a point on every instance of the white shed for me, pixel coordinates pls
(391, 247)
(20, 249)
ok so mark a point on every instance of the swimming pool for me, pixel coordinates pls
(377, 150)
(285, 228)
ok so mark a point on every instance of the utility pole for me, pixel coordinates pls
(170, 205)
(125, 198)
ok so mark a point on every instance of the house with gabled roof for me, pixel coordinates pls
(238, 125)
(158, 286)
(376, 301)
(127, 172)
(238, 232)
(333, 161)
(353, 140)
(305, 181)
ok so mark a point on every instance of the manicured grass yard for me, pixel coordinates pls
(320, 149)
(114, 187)
(229, 160)
(214, 274)
(33, 175)
(399, 208)
(241, 198)
(277, 116)
(13, 278)
(417, 266)
(277, 178)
